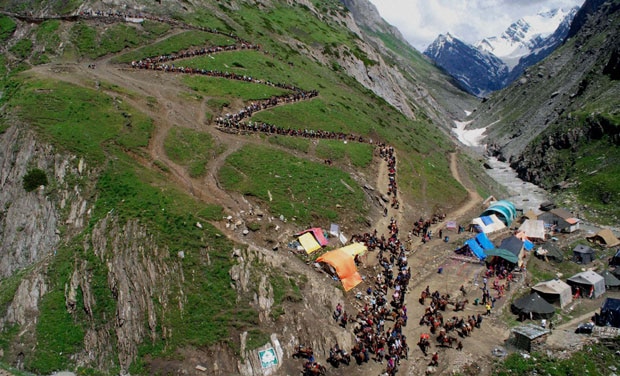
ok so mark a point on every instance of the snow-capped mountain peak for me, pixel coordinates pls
(525, 35)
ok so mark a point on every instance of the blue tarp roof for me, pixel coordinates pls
(487, 220)
(528, 245)
(475, 248)
(484, 241)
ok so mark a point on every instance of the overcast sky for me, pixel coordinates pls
(421, 21)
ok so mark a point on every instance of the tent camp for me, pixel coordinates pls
(610, 313)
(487, 224)
(345, 267)
(533, 306)
(505, 211)
(605, 237)
(582, 254)
(611, 282)
(533, 229)
(555, 291)
(588, 282)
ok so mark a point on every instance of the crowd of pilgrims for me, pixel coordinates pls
(117, 16)
(387, 345)
(385, 298)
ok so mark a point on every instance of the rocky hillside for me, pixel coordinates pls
(428, 87)
(157, 158)
(558, 124)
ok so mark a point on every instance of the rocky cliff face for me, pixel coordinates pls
(404, 77)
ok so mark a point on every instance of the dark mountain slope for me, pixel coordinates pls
(558, 125)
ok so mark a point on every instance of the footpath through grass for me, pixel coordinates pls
(90, 124)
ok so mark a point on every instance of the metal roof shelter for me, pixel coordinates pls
(529, 336)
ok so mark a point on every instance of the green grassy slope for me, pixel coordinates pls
(112, 136)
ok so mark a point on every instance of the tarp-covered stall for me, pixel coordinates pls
(610, 313)
(589, 283)
(611, 281)
(345, 267)
(503, 253)
(308, 242)
(516, 247)
(549, 251)
(475, 248)
(318, 235)
(533, 229)
(533, 306)
(555, 291)
(478, 245)
(605, 237)
(354, 249)
(615, 259)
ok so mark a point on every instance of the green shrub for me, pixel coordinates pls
(22, 48)
(7, 27)
(33, 179)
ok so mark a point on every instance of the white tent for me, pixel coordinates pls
(533, 229)
(488, 223)
(588, 281)
(555, 292)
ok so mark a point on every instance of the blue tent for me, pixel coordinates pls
(505, 210)
(475, 248)
(484, 241)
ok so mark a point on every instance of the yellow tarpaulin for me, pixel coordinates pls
(345, 267)
(309, 242)
(354, 249)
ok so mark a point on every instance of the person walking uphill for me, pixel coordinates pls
(488, 307)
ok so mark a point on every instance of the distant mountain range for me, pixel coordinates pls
(494, 62)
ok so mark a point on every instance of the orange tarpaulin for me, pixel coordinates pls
(345, 267)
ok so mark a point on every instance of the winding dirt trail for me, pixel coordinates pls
(159, 95)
